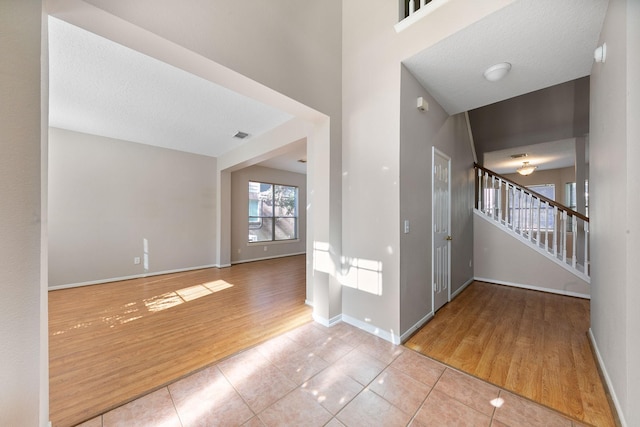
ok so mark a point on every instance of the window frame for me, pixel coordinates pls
(257, 221)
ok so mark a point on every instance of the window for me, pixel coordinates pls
(571, 200)
(570, 191)
(525, 214)
(273, 212)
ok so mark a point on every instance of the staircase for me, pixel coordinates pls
(553, 230)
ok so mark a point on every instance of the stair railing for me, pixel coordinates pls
(552, 228)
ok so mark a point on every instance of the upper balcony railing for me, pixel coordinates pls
(412, 6)
(411, 11)
(559, 232)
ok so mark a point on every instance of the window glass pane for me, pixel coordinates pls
(266, 200)
(286, 228)
(254, 198)
(286, 200)
(525, 208)
(547, 190)
(260, 229)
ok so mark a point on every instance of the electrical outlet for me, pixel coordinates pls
(136, 260)
(265, 249)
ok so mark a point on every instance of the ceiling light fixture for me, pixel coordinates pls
(526, 169)
(497, 72)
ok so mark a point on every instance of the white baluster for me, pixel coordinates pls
(546, 226)
(412, 7)
(538, 231)
(531, 217)
(422, 3)
(586, 248)
(564, 236)
(556, 219)
(574, 249)
(479, 189)
(500, 202)
(508, 214)
(486, 194)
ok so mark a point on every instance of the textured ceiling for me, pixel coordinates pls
(103, 88)
(547, 42)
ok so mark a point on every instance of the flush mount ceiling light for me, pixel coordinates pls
(526, 169)
(497, 72)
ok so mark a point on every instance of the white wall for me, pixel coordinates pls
(419, 132)
(614, 183)
(241, 249)
(23, 353)
(371, 167)
(255, 49)
(501, 258)
(107, 195)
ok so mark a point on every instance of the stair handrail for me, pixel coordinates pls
(520, 187)
(498, 208)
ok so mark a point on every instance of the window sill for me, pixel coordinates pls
(272, 242)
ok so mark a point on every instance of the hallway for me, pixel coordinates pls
(532, 343)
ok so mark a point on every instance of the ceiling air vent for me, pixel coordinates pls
(241, 135)
(519, 156)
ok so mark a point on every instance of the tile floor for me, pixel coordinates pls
(338, 376)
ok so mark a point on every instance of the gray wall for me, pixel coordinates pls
(614, 206)
(23, 306)
(550, 114)
(107, 195)
(558, 177)
(241, 249)
(419, 132)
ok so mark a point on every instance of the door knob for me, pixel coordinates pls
(449, 238)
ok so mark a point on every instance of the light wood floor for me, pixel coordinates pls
(111, 343)
(114, 342)
(532, 343)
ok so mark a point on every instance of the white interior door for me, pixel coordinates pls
(441, 234)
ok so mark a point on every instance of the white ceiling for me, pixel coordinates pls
(547, 42)
(103, 88)
(547, 155)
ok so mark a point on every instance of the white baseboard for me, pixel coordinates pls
(415, 327)
(607, 379)
(372, 329)
(327, 322)
(135, 276)
(266, 257)
(533, 288)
